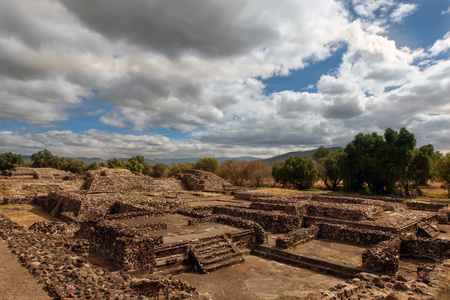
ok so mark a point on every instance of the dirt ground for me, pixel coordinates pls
(15, 281)
(260, 279)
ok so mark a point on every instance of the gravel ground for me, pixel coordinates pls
(15, 281)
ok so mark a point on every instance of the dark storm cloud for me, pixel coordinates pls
(209, 28)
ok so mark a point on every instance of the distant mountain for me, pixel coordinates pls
(309, 153)
(171, 161)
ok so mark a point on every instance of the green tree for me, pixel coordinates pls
(280, 173)
(10, 160)
(329, 170)
(93, 166)
(443, 172)
(116, 163)
(74, 165)
(421, 167)
(299, 171)
(257, 172)
(322, 152)
(234, 171)
(210, 164)
(377, 161)
(178, 168)
(160, 170)
(138, 164)
(45, 159)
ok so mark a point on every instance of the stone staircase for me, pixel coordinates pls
(428, 230)
(213, 253)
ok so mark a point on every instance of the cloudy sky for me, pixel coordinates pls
(195, 78)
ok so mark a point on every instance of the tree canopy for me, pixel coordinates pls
(299, 171)
(10, 160)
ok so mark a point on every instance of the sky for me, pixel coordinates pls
(201, 78)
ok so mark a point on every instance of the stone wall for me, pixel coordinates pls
(443, 216)
(387, 206)
(426, 206)
(128, 247)
(35, 173)
(436, 249)
(260, 233)
(350, 234)
(384, 257)
(271, 221)
(343, 211)
(297, 237)
(18, 199)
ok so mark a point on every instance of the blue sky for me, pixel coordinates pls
(195, 78)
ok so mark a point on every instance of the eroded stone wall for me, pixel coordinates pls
(297, 237)
(384, 257)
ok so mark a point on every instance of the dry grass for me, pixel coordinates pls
(25, 215)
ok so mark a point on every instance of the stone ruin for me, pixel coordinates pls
(35, 173)
(120, 216)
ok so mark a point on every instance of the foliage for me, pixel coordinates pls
(377, 161)
(137, 164)
(10, 160)
(160, 170)
(233, 171)
(210, 164)
(178, 168)
(116, 163)
(299, 171)
(327, 165)
(322, 152)
(443, 172)
(44, 159)
(257, 172)
(421, 168)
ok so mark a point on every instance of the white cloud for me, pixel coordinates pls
(402, 11)
(440, 46)
(195, 67)
(447, 11)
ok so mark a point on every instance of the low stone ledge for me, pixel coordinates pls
(297, 237)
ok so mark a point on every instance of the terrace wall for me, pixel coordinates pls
(384, 257)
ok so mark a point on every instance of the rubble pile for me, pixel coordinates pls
(163, 288)
(384, 257)
(107, 181)
(55, 228)
(197, 180)
(372, 286)
(297, 237)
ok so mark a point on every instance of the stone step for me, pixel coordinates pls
(226, 263)
(174, 270)
(216, 259)
(210, 246)
(170, 260)
(216, 252)
(308, 263)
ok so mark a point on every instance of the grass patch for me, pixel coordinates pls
(25, 214)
